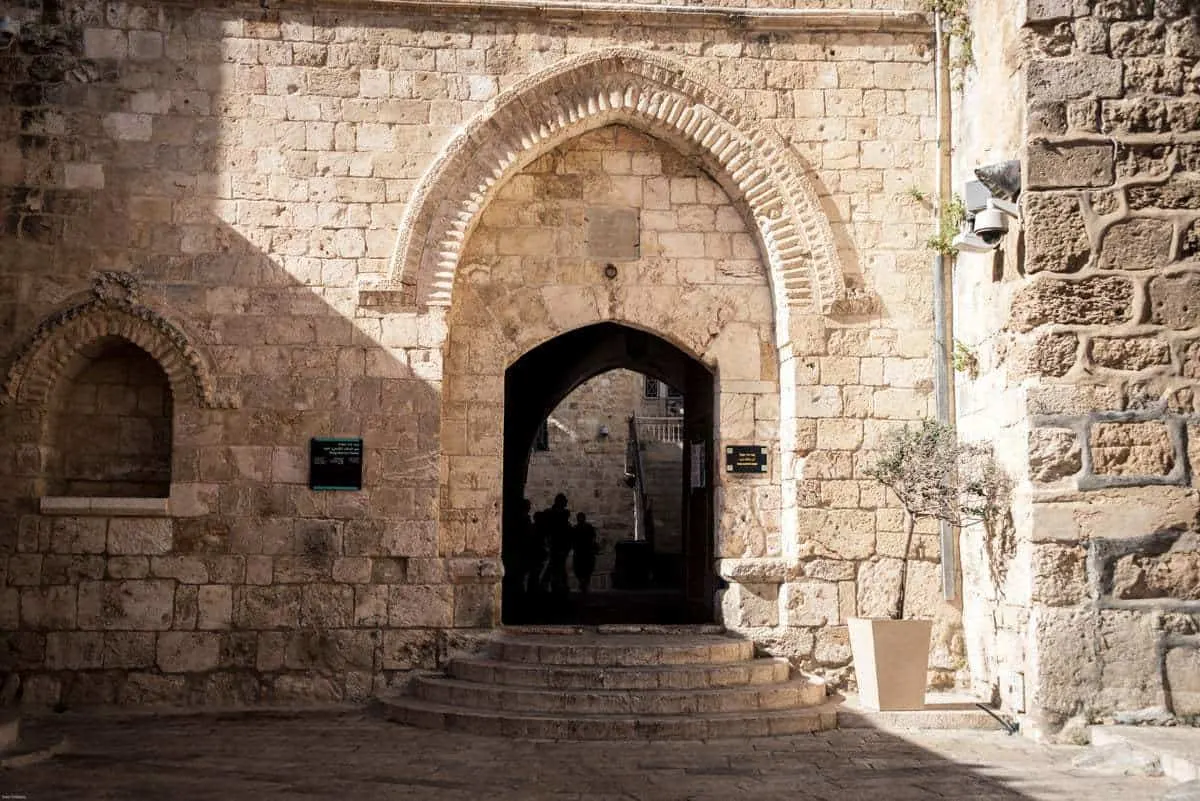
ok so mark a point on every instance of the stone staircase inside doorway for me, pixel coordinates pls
(616, 683)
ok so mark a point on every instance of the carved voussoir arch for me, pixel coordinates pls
(650, 92)
(112, 309)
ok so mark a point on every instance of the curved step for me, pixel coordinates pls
(801, 692)
(711, 726)
(591, 677)
(619, 650)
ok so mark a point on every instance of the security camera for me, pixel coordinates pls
(991, 223)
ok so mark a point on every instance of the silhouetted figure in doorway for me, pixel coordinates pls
(558, 529)
(584, 561)
(539, 533)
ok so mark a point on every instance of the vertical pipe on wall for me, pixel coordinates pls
(942, 321)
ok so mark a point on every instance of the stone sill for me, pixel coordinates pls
(105, 507)
(666, 15)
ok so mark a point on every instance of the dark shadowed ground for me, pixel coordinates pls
(355, 756)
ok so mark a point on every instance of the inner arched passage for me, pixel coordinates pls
(533, 386)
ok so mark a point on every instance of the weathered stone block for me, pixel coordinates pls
(1106, 300)
(1131, 676)
(409, 649)
(416, 606)
(1180, 192)
(129, 649)
(326, 605)
(811, 603)
(75, 650)
(1137, 244)
(832, 646)
(78, 535)
(1183, 677)
(215, 607)
(1053, 354)
(1131, 449)
(139, 535)
(290, 687)
(879, 586)
(1059, 574)
(476, 605)
(184, 569)
(1123, 9)
(188, 652)
(72, 569)
(1174, 300)
(1066, 79)
(1056, 238)
(1175, 574)
(751, 605)
(1054, 454)
(1049, 10)
(144, 689)
(330, 650)
(126, 605)
(1129, 353)
(1137, 115)
(266, 607)
(1053, 166)
(1073, 399)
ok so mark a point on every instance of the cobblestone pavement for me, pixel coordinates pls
(355, 756)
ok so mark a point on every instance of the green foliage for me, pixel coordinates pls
(964, 360)
(956, 27)
(918, 194)
(954, 211)
(934, 475)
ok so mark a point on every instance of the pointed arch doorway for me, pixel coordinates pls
(533, 386)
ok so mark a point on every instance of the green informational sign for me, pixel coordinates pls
(335, 464)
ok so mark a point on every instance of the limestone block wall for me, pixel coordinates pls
(224, 189)
(1098, 347)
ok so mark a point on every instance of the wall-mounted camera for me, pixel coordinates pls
(991, 207)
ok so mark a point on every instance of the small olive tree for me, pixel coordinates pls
(936, 476)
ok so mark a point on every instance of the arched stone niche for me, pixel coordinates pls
(107, 341)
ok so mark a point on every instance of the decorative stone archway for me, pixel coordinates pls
(112, 309)
(646, 91)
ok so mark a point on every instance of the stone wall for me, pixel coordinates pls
(1099, 616)
(224, 188)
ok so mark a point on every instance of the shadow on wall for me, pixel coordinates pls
(256, 589)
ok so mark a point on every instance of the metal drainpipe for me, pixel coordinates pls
(943, 322)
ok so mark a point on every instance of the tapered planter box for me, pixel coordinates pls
(891, 658)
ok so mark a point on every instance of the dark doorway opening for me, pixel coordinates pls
(646, 588)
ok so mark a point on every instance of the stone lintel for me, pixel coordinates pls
(758, 571)
(667, 15)
(104, 507)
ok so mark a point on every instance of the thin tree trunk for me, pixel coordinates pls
(910, 525)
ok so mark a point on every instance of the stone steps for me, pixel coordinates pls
(612, 684)
(586, 677)
(786, 695)
(711, 726)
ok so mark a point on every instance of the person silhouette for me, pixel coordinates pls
(584, 560)
(558, 530)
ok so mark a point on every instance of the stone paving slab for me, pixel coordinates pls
(354, 755)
